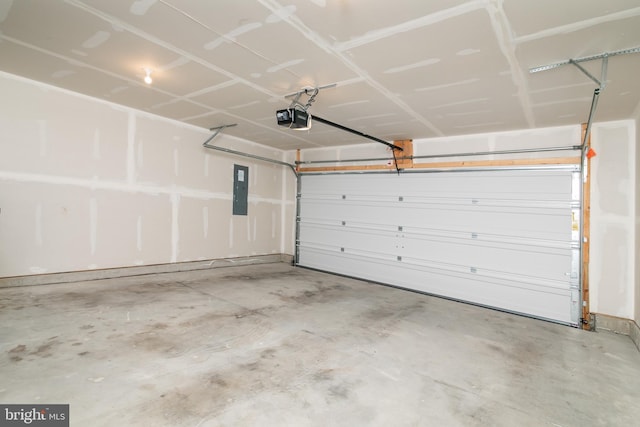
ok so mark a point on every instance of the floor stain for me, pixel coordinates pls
(45, 350)
(16, 353)
(323, 375)
(340, 391)
(313, 353)
(217, 380)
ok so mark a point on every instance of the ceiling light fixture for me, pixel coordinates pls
(147, 79)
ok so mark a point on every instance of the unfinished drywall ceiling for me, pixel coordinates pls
(403, 70)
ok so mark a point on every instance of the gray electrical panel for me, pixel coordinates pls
(240, 189)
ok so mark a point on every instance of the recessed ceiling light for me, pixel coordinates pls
(147, 78)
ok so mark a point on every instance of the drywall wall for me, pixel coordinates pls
(86, 184)
(637, 234)
(613, 186)
(565, 136)
(613, 212)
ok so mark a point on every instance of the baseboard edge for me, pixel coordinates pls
(111, 273)
(618, 325)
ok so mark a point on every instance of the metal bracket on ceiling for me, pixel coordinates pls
(310, 92)
(602, 81)
(312, 98)
(217, 131)
(603, 74)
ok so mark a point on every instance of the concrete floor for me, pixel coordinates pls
(273, 345)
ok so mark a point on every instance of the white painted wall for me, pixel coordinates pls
(613, 206)
(637, 260)
(614, 248)
(85, 184)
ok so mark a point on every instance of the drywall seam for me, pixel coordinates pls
(131, 145)
(93, 224)
(5, 7)
(414, 24)
(140, 154)
(118, 107)
(141, 7)
(256, 199)
(636, 128)
(633, 220)
(135, 82)
(510, 133)
(152, 39)
(175, 228)
(176, 162)
(576, 26)
(503, 31)
(77, 63)
(255, 228)
(143, 114)
(312, 36)
(273, 229)
(38, 227)
(96, 189)
(149, 189)
(139, 233)
(205, 221)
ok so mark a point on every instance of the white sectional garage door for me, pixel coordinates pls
(507, 239)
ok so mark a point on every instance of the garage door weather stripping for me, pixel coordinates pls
(503, 238)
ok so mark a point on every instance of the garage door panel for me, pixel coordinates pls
(465, 184)
(553, 230)
(377, 241)
(503, 238)
(550, 222)
(523, 258)
(489, 256)
(358, 257)
(541, 300)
